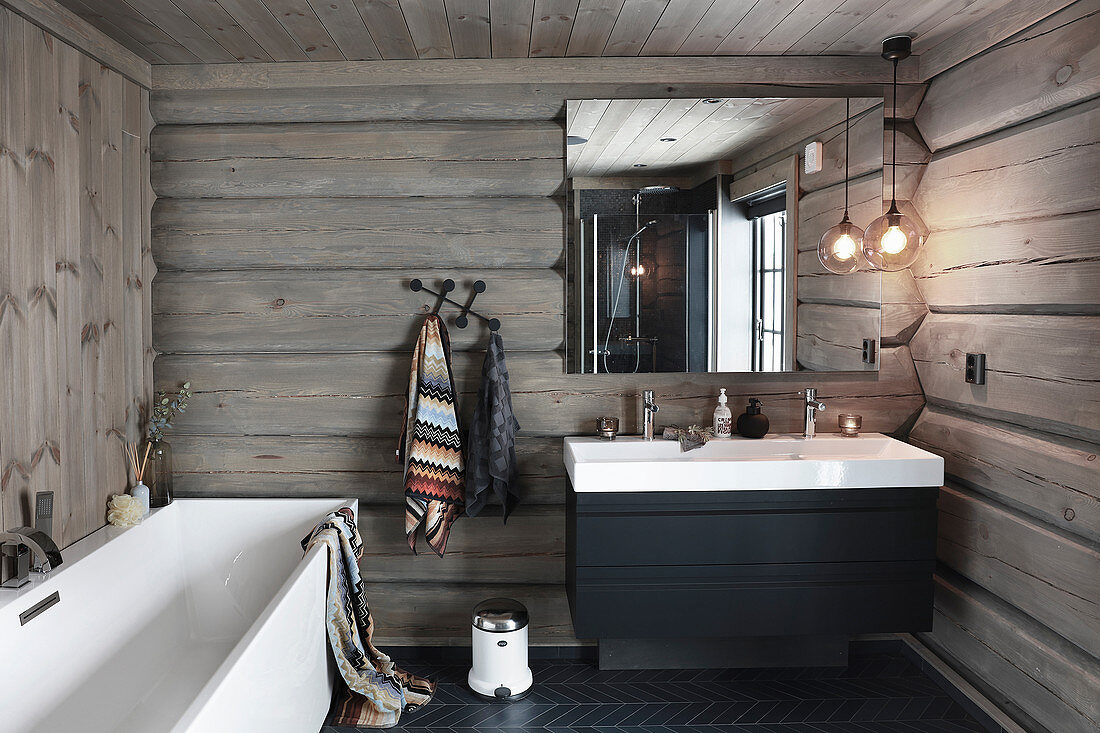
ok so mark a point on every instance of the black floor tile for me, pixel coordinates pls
(877, 692)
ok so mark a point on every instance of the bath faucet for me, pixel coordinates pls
(809, 427)
(17, 546)
(651, 409)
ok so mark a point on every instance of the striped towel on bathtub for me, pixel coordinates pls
(374, 692)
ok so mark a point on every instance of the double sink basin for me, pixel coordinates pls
(827, 461)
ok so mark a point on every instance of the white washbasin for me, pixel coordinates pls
(827, 461)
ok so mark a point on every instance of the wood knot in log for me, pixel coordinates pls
(8, 302)
(13, 467)
(39, 153)
(90, 332)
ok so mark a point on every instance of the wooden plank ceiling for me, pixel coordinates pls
(227, 31)
(615, 137)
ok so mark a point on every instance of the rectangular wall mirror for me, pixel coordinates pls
(693, 235)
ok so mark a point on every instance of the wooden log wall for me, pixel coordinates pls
(75, 322)
(1012, 270)
(286, 235)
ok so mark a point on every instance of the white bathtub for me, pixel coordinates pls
(206, 617)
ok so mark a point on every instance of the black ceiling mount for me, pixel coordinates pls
(896, 48)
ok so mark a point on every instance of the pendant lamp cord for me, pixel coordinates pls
(894, 142)
(847, 116)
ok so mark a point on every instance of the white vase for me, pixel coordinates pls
(141, 493)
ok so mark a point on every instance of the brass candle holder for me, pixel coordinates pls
(849, 425)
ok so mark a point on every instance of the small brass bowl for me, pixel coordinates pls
(849, 425)
(607, 427)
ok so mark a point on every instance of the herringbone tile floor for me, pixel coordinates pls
(877, 693)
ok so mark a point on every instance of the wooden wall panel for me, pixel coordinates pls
(482, 549)
(67, 232)
(1045, 573)
(1009, 270)
(197, 234)
(242, 311)
(283, 296)
(79, 35)
(358, 466)
(437, 613)
(1038, 368)
(246, 178)
(991, 180)
(14, 444)
(831, 337)
(1021, 665)
(489, 140)
(1050, 478)
(1055, 63)
(1043, 265)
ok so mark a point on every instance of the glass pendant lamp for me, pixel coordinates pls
(841, 248)
(892, 241)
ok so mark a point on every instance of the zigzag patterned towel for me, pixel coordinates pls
(430, 441)
(375, 692)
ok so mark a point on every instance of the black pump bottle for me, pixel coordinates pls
(753, 424)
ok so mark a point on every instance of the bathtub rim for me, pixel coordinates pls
(41, 585)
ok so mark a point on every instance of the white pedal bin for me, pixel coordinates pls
(500, 650)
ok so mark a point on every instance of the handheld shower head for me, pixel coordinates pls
(645, 226)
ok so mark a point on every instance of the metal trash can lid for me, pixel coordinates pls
(500, 614)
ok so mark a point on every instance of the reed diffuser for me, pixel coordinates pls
(140, 491)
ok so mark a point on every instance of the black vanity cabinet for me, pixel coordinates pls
(748, 578)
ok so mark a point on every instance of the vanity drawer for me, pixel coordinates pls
(781, 527)
(724, 601)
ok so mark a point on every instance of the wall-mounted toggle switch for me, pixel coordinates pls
(975, 368)
(870, 347)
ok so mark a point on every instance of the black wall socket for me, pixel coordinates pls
(975, 368)
(870, 346)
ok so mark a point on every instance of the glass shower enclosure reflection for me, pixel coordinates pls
(644, 293)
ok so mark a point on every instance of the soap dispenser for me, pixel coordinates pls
(753, 424)
(723, 418)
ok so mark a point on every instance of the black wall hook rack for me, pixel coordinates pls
(416, 285)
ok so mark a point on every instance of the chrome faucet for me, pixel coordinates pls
(650, 407)
(18, 545)
(809, 427)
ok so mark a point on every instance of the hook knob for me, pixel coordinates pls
(494, 324)
(462, 321)
(415, 285)
(479, 286)
(448, 285)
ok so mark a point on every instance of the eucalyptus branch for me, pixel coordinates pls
(166, 407)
